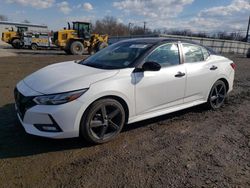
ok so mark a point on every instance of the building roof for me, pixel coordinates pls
(23, 24)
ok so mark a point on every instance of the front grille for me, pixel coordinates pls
(23, 103)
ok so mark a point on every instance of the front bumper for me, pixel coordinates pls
(66, 116)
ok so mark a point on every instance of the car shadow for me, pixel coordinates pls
(161, 119)
(14, 142)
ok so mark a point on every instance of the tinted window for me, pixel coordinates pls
(205, 53)
(117, 56)
(165, 55)
(192, 53)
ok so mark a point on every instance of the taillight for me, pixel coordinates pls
(233, 65)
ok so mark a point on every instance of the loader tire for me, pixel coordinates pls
(17, 43)
(68, 52)
(76, 48)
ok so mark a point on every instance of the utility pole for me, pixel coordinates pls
(248, 28)
(144, 27)
(129, 26)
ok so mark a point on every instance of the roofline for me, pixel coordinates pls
(22, 24)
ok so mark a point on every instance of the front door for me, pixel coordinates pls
(157, 90)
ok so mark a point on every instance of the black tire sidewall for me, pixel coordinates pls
(34, 46)
(73, 45)
(84, 126)
(16, 43)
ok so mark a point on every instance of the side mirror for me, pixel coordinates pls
(151, 66)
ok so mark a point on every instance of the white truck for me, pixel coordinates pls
(35, 40)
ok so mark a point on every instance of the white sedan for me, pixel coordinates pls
(129, 81)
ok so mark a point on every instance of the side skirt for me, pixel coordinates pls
(165, 111)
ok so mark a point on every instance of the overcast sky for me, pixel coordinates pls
(197, 15)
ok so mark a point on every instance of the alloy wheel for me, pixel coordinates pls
(104, 121)
(218, 95)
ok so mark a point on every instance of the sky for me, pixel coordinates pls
(196, 15)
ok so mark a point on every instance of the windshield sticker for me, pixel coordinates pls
(138, 46)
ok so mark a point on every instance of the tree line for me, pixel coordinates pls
(111, 26)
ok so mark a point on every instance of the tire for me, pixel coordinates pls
(91, 51)
(17, 43)
(76, 48)
(34, 46)
(101, 45)
(248, 53)
(67, 51)
(102, 121)
(217, 95)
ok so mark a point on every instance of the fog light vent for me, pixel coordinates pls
(49, 127)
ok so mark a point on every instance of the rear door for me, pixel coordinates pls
(201, 72)
(157, 90)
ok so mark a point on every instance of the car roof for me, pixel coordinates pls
(157, 40)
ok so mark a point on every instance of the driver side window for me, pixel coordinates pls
(165, 55)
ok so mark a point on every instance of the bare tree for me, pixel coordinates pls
(26, 21)
(109, 25)
(3, 17)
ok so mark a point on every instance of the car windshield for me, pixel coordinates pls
(117, 56)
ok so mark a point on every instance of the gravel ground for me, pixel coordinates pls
(190, 148)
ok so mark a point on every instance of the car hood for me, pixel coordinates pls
(66, 76)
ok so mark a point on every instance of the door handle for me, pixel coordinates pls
(213, 67)
(180, 74)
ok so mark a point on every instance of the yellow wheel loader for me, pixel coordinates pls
(78, 39)
(14, 37)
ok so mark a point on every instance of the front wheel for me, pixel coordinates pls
(34, 46)
(217, 95)
(103, 121)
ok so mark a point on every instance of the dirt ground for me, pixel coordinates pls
(190, 148)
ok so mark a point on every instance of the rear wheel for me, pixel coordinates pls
(76, 48)
(103, 121)
(34, 46)
(17, 43)
(217, 95)
(67, 51)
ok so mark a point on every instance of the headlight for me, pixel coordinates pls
(61, 98)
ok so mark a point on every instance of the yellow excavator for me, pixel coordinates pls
(14, 37)
(78, 39)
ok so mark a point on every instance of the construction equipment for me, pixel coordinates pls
(77, 39)
(14, 37)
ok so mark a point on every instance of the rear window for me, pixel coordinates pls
(193, 53)
(205, 52)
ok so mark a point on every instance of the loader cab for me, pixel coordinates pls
(83, 29)
(21, 29)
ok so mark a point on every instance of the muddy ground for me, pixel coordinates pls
(191, 148)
